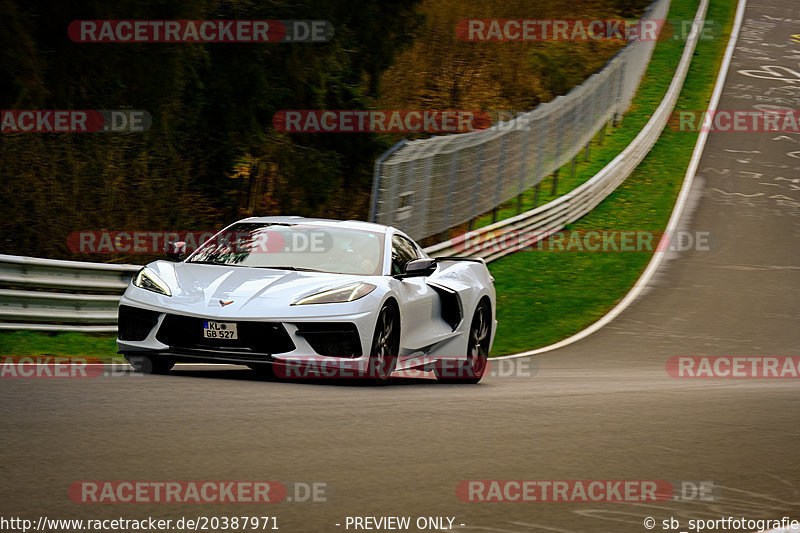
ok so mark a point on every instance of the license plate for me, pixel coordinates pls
(219, 330)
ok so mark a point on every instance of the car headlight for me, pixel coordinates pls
(347, 293)
(148, 280)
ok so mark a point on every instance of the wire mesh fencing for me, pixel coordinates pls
(427, 186)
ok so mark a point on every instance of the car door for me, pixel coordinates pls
(418, 301)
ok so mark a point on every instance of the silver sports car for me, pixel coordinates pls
(299, 297)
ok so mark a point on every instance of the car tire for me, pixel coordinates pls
(385, 345)
(146, 364)
(471, 369)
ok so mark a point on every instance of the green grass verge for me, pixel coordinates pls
(543, 297)
(36, 343)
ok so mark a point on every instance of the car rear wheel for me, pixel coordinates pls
(150, 365)
(385, 345)
(471, 369)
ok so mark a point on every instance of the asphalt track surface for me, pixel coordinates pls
(601, 409)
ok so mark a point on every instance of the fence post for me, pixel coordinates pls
(538, 172)
(450, 188)
(555, 179)
(501, 166)
(478, 167)
(558, 151)
(618, 103)
(422, 222)
(523, 165)
(373, 208)
(572, 169)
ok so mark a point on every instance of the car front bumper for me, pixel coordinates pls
(340, 340)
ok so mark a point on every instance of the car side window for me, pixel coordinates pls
(403, 251)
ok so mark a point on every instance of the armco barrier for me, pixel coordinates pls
(68, 295)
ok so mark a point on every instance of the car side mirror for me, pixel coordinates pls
(420, 267)
(175, 251)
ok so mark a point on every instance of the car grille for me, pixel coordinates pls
(331, 339)
(135, 324)
(255, 338)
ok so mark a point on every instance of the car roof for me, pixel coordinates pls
(322, 222)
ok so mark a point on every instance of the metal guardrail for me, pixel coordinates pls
(69, 295)
(79, 307)
(428, 186)
(492, 242)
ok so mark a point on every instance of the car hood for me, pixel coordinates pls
(205, 288)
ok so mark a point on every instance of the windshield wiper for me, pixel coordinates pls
(214, 263)
(298, 269)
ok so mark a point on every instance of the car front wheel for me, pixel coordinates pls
(385, 345)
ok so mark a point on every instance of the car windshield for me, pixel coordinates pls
(302, 247)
